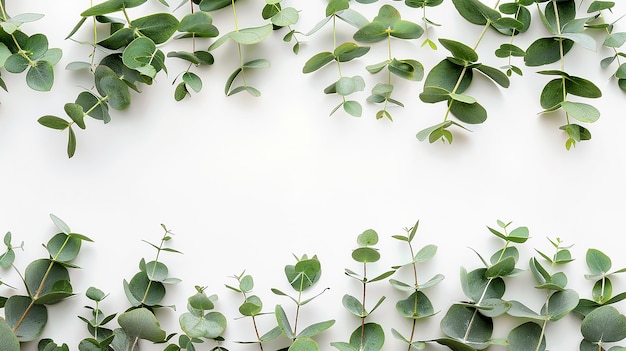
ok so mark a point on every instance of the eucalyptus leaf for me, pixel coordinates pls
(210, 325)
(40, 77)
(525, 336)
(369, 337)
(581, 111)
(253, 35)
(32, 318)
(141, 323)
(8, 340)
(604, 324)
(466, 324)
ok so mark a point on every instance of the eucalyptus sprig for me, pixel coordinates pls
(469, 325)
(47, 282)
(450, 78)
(200, 322)
(145, 291)
(280, 17)
(613, 40)
(20, 52)
(368, 336)
(341, 53)
(600, 267)
(425, 4)
(101, 336)
(194, 26)
(417, 305)
(301, 276)
(559, 302)
(252, 307)
(386, 25)
(566, 30)
(243, 37)
(132, 57)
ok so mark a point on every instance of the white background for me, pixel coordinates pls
(245, 182)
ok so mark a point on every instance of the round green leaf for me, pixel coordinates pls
(252, 306)
(252, 35)
(544, 51)
(365, 255)
(465, 323)
(368, 238)
(156, 271)
(63, 247)
(146, 291)
(76, 113)
(604, 324)
(416, 306)
(353, 305)
(247, 283)
(32, 324)
(41, 275)
(552, 94)
(560, 304)
(353, 108)
(598, 262)
(95, 294)
(526, 337)
(93, 106)
(304, 344)
(317, 61)
(40, 77)
(469, 113)
(115, 92)
(371, 33)
(209, 326)
(200, 301)
(141, 323)
(16, 63)
(373, 337)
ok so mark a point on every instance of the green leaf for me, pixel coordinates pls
(40, 77)
(119, 39)
(253, 35)
(210, 325)
(198, 24)
(71, 142)
(581, 111)
(8, 340)
(615, 40)
(115, 91)
(553, 94)
(475, 11)
(544, 51)
(348, 85)
(598, 262)
(353, 305)
(416, 306)
(111, 6)
(369, 337)
(315, 329)
(212, 5)
(335, 6)
(466, 324)
(349, 51)
(317, 61)
(141, 323)
(527, 336)
(604, 324)
(560, 304)
(407, 69)
(63, 247)
(371, 33)
(459, 50)
(145, 291)
(582, 87)
(33, 317)
(285, 17)
(93, 106)
(283, 322)
(252, 306)
(139, 54)
(159, 27)
(468, 113)
(193, 81)
(353, 108)
(445, 75)
(502, 268)
(495, 74)
(53, 122)
(76, 113)
(41, 276)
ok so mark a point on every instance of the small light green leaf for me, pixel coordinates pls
(416, 306)
(598, 262)
(353, 108)
(581, 111)
(365, 255)
(251, 307)
(615, 40)
(353, 305)
(283, 322)
(286, 17)
(71, 142)
(462, 98)
(95, 294)
(193, 81)
(369, 337)
(141, 323)
(63, 247)
(253, 35)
